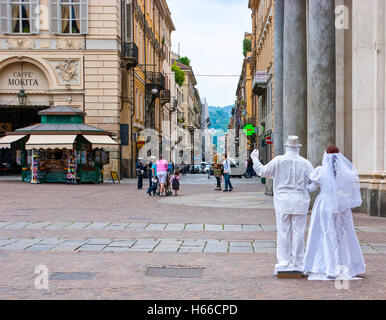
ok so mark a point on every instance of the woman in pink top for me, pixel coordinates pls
(162, 171)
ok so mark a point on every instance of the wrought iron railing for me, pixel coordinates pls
(165, 96)
(130, 51)
(155, 79)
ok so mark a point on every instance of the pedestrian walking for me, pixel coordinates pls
(140, 169)
(217, 171)
(162, 172)
(175, 181)
(227, 174)
(333, 250)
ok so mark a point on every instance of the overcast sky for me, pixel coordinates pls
(210, 33)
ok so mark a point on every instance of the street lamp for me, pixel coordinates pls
(22, 96)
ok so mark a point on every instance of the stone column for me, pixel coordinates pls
(278, 74)
(321, 77)
(295, 72)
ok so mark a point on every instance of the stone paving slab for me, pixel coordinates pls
(214, 227)
(97, 226)
(122, 243)
(381, 249)
(57, 225)
(75, 242)
(241, 243)
(194, 227)
(265, 250)
(37, 225)
(251, 227)
(190, 249)
(17, 225)
(155, 226)
(232, 227)
(136, 226)
(104, 241)
(39, 247)
(4, 223)
(115, 249)
(92, 247)
(266, 227)
(55, 241)
(167, 248)
(116, 226)
(66, 247)
(4, 242)
(264, 244)
(77, 226)
(241, 249)
(367, 249)
(175, 227)
(21, 244)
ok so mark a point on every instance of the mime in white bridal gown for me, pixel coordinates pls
(333, 250)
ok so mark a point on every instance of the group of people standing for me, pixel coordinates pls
(332, 251)
(160, 174)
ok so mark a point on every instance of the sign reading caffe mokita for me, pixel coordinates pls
(23, 79)
(28, 76)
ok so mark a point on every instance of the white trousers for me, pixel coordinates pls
(290, 241)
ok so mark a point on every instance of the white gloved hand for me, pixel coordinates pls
(255, 156)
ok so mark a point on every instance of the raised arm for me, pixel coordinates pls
(267, 171)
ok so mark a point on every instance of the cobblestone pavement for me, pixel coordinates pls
(99, 241)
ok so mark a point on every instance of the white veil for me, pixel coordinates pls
(339, 182)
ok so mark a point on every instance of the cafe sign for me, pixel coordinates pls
(30, 77)
(25, 79)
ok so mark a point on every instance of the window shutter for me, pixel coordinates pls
(35, 16)
(84, 16)
(128, 23)
(5, 19)
(55, 16)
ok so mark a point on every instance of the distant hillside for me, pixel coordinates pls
(219, 117)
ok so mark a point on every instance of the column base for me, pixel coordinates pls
(373, 192)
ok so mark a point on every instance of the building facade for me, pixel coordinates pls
(262, 73)
(103, 57)
(341, 101)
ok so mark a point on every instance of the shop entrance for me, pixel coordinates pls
(12, 118)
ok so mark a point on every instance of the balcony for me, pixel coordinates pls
(155, 79)
(259, 82)
(130, 54)
(165, 96)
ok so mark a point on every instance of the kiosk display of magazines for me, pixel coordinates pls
(62, 149)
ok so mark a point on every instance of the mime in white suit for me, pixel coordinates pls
(290, 173)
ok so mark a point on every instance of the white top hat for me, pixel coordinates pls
(293, 141)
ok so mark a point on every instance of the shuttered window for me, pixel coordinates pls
(128, 22)
(19, 16)
(69, 16)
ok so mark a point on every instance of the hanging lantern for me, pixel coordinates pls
(22, 96)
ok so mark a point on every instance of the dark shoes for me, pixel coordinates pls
(225, 190)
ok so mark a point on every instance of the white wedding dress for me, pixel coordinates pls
(333, 250)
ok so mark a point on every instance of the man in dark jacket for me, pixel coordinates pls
(139, 167)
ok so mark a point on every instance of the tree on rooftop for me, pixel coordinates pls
(179, 75)
(184, 60)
